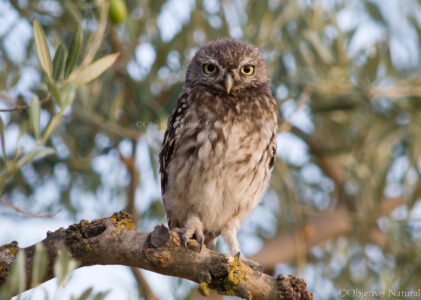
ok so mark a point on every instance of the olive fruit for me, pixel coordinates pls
(117, 11)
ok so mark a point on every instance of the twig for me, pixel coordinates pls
(96, 39)
(141, 281)
(27, 213)
(302, 100)
(19, 108)
(130, 163)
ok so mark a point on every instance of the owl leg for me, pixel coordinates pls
(229, 234)
(230, 237)
(210, 243)
(194, 228)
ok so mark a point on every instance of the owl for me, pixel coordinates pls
(220, 144)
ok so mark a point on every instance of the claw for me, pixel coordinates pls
(184, 241)
(252, 264)
(259, 270)
(200, 240)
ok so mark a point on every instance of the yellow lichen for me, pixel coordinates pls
(237, 274)
(1, 268)
(12, 251)
(204, 289)
(88, 247)
(159, 257)
(124, 223)
(129, 223)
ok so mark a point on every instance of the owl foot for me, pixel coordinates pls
(199, 238)
(194, 230)
(252, 264)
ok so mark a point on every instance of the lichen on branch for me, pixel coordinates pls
(114, 240)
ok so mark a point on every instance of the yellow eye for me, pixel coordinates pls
(247, 70)
(209, 69)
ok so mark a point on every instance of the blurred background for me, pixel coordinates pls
(343, 209)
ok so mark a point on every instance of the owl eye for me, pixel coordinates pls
(247, 70)
(209, 69)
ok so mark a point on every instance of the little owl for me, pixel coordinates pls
(220, 144)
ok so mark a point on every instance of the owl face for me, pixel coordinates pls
(228, 66)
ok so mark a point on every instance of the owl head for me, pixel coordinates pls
(228, 66)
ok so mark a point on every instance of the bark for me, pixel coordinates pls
(114, 240)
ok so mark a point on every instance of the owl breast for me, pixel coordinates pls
(221, 165)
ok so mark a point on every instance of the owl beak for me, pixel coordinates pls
(229, 82)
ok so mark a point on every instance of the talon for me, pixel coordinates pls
(260, 270)
(184, 241)
(200, 240)
(252, 264)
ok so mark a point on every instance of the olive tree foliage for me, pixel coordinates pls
(346, 76)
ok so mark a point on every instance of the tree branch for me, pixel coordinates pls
(317, 231)
(114, 240)
(17, 209)
(21, 107)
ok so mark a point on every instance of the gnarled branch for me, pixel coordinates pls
(114, 240)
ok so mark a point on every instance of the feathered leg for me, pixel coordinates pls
(230, 237)
(194, 228)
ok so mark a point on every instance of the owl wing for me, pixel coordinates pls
(272, 143)
(272, 151)
(171, 139)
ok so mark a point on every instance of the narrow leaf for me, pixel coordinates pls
(54, 91)
(52, 126)
(73, 11)
(64, 265)
(58, 62)
(73, 52)
(94, 70)
(34, 114)
(42, 49)
(39, 268)
(86, 294)
(102, 295)
(3, 145)
(69, 96)
(17, 277)
(375, 12)
(34, 155)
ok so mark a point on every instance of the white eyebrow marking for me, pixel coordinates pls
(245, 61)
(212, 61)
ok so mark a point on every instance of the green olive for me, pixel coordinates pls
(117, 11)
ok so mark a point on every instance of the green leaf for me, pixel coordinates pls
(34, 114)
(101, 296)
(86, 294)
(73, 11)
(94, 70)
(372, 66)
(74, 51)
(3, 145)
(42, 49)
(58, 62)
(321, 49)
(52, 126)
(39, 267)
(69, 96)
(375, 12)
(54, 91)
(63, 266)
(16, 281)
(34, 155)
